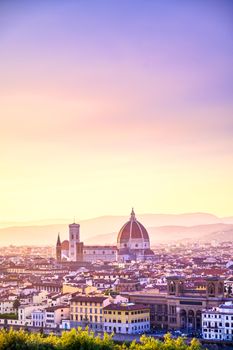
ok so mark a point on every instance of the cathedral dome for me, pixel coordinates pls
(65, 245)
(133, 229)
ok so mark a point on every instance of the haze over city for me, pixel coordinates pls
(105, 105)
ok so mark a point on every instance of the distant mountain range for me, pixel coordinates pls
(103, 230)
(165, 234)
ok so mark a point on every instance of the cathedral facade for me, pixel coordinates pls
(133, 244)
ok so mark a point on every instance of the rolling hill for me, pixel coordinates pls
(161, 227)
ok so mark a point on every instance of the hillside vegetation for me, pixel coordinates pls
(84, 340)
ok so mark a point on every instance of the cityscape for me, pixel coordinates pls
(128, 289)
(116, 175)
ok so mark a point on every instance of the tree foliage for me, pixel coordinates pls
(16, 304)
(9, 316)
(85, 340)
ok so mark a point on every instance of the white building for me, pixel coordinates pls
(25, 311)
(217, 323)
(6, 306)
(38, 318)
(54, 315)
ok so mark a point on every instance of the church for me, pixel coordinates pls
(133, 244)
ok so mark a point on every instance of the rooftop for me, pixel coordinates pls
(126, 307)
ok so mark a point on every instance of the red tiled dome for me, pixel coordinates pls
(132, 229)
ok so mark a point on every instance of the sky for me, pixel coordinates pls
(105, 105)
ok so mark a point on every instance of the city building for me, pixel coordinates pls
(54, 315)
(7, 306)
(217, 322)
(88, 311)
(126, 318)
(127, 285)
(37, 317)
(180, 306)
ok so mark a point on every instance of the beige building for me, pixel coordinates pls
(54, 315)
(88, 311)
(73, 288)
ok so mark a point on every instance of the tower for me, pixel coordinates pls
(214, 287)
(58, 249)
(79, 251)
(175, 285)
(74, 238)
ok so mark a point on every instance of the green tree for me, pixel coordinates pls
(78, 339)
(16, 304)
(194, 345)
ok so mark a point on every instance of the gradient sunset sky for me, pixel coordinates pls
(105, 105)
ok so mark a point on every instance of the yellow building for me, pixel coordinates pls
(88, 311)
(72, 288)
(126, 318)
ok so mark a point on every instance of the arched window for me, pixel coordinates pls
(211, 289)
(172, 287)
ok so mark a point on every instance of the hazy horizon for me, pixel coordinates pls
(47, 221)
(161, 228)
